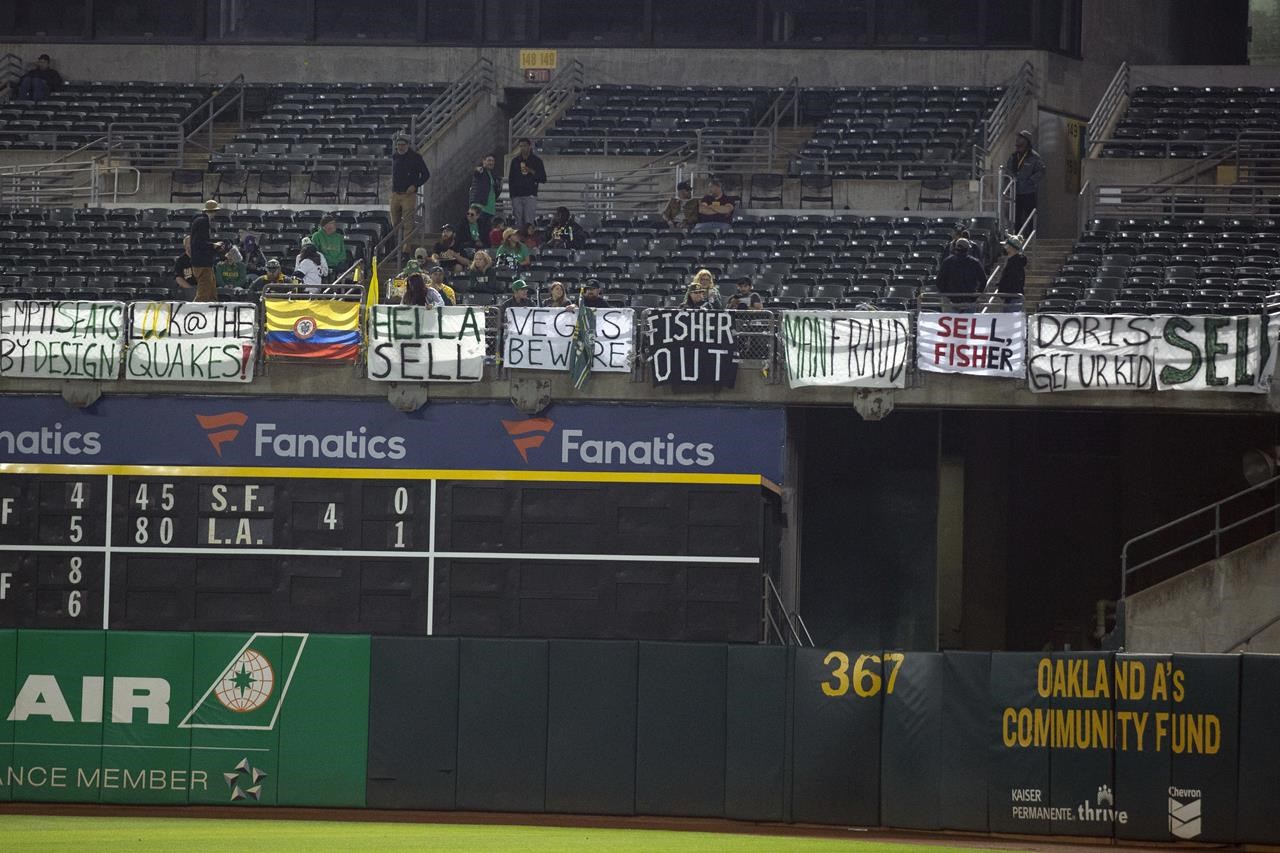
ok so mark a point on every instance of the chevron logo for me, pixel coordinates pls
(528, 433)
(222, 428)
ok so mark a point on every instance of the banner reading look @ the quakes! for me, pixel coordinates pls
(410, 343)
(979, 344)
(540, 338)
(867, 349)
(200, 341)
(61, 340)
(692, 348)
(1087, 352)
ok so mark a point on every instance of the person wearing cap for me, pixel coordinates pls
(565, 231)
(332, 245)
(512, 254)
(484, 192)
(523, 176)
(716, 210)
(40, 82)
(408, 173)
(695, 297)
(744, 298)
(273, 275)
(682, 211)
(961, 273)
(204, 252)
(1026, 166)
(448, 251)
(310, 265)
(519, 295)
(1013, 280)
(437, 283)
(591, 297)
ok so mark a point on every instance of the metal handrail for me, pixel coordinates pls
(151, 143)
(427, 127)
(1010, 104)
(772, 595)
(1246, 640)
(47, 183)
(1108, 110)
(11, 67)
(552, 100)
(237, 99)
(1182, 200)
(1215, 534)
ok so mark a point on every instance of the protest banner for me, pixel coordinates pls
(866, 349)
(74, 339)
(1085, 352)
(540, 338)
(201, 341)
(977, 344)
(692, 348)
(412, 343)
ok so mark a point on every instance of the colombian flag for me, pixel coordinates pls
(321, 329)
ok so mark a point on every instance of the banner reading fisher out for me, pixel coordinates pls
(978, 344)
(867, 349)
(74, 339)
(1088, 352)
(410, 343)
(200, 341)
(540, 338)
(692, 348)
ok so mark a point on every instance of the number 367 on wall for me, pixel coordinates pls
(864, 679)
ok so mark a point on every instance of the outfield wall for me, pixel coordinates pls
(1136, 747)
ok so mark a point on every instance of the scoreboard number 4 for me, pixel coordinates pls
(865, 681)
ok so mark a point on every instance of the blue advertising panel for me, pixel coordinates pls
(463, 435)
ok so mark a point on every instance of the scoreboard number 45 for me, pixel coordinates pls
(865, 680)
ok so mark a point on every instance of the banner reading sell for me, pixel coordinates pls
(202, 341)
(412, 343)
(977, 344)
(75, 339)
(866, 349)
(540, 338)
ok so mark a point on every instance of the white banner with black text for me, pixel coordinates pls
(540, 338)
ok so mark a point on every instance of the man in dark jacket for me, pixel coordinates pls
(1026, 166)
(40, 82)
(1013, 281)
(204, 253)
(523, 176)
(961, 273)
(408, 173)
(486, 189)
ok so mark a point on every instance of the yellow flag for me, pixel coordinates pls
(374, 296)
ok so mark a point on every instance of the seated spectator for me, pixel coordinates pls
(682, 211)
(310, 266)
(1013, 280)
(695, 298)
(40, 82)
(332, 245)
(961, 273)
(418, 292)
(745, 298)
(437, 283)
(715, 211)
(254, 259)
(474, 236)
(707, 283)
(530, 237)
(231, 270)
(420, 262)
(480, 273)
(308, 245)
(565, 231)
(519, 293)
(448, 251)
(273, 275)
(591, 297)
(495, 233)
(556, 297)
(958, 232)
(512, 254)
(184, 274)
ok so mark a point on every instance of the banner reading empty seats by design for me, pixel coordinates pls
(73, 339)
(193, 341)
(976, 344)
(867, 349)
(316, 329)
(1093, 352)
(411, 343)
(540, 338)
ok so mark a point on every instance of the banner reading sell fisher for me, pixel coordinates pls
(976, 344)
(865, 349)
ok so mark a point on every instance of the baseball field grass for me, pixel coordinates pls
(21, 833)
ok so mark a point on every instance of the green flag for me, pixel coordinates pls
(583, 346)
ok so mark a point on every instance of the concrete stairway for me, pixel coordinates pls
(198, 158)
(1043, 261)
(792, 139)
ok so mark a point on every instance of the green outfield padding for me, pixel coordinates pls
(968, 721)
(756, 735)
(591, 727)
(911, 743)
(413, 723)
(1141, 769)
(1017, 775)
(502, 725)
(836, 740)
(8, 665)
(1079, 771)
(680, 730)
(1204, 740)
(1258, 817)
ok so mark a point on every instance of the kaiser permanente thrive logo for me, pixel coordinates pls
(576, 448)
(272, 442)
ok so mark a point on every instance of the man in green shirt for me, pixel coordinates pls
(330, 243)
(230, 272)
(486, 188)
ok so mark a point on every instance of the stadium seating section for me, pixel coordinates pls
(79, 112)
(1226, 266)
(891, 132)
(1189, 121)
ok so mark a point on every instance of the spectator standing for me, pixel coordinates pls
(566, 233)
(204, 252)
(715, 210)
(523, 177)
(307, 245)
(231, 272)
(332, 245)
(1027, 167)
(744, 298)
(310, 266)
(408, 173)
(40, 82)
(418, 292)
(485, 190)
(556, 297)
(273, 275)
(184, 273)
(519, 295)
(1013, 281)
(448, 251)
(591, 297)
(961, 273)
(682, 211)
(512, 254)
(495, 233)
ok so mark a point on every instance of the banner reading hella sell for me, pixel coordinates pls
(464, 435)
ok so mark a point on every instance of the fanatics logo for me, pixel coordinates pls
(222, 428)
(528, 433)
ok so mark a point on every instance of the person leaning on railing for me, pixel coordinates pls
(960, 273)
(1013, 280)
